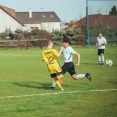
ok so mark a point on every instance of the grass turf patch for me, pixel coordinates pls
(23, 73)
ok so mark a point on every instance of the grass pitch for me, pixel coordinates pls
(25, 80)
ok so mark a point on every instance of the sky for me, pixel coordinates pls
(66, 10)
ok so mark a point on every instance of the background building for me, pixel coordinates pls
(8, 19)
(28, 20)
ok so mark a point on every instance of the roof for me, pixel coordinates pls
(110, 20)
(10, 12)
(37, 17)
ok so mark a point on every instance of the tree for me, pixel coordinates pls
(99, 10)
(8, 34)
(58, 36)
(113, 11)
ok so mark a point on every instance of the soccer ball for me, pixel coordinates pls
(109, 62)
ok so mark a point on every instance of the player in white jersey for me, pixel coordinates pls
(101, 43)
(68, 66)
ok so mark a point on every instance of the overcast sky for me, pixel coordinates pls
(65, 9)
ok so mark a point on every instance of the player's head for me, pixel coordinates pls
(65, 42)
(50, 43)
(100, 35)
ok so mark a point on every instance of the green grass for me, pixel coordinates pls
(24, 73)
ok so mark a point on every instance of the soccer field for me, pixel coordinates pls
(25, 80)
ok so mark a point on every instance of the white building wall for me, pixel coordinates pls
(29, 26)
(49, 26)
(7, 21)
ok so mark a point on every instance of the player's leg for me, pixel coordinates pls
(53, 85)
(102, 56)
(58, 83)
(79, 76)
(60, 76)
(53, 82)
(99, 56)
(72, 72)
(64, 70)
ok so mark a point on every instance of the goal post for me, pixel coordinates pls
(87, 24)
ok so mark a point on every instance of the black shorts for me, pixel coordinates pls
(55, 74)
(69, 67)
(100, 51)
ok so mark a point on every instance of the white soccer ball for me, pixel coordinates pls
(109, 62)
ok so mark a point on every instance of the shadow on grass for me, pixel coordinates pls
(114, 65)
(37, 85)
(115, 83)
(91, 63)
(96, 64)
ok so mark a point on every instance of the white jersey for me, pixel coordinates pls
(101, 42)
(68, 54)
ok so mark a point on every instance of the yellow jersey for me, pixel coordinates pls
(50, 57)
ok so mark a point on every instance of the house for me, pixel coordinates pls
(109, 20)
(41, 20)
(28, 20)
(8, 19)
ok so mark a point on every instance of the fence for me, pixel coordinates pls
(22, 43)
(110, 40)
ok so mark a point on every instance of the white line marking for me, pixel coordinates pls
(56, 93)
(16, 55)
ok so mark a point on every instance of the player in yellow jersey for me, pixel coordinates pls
(50, 56)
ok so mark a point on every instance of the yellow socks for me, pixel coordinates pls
(58, 83)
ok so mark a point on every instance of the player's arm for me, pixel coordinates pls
(78, 58)
(61, 50)
(54, 51)
(44, 58)
(96, 43)
(105, 43)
